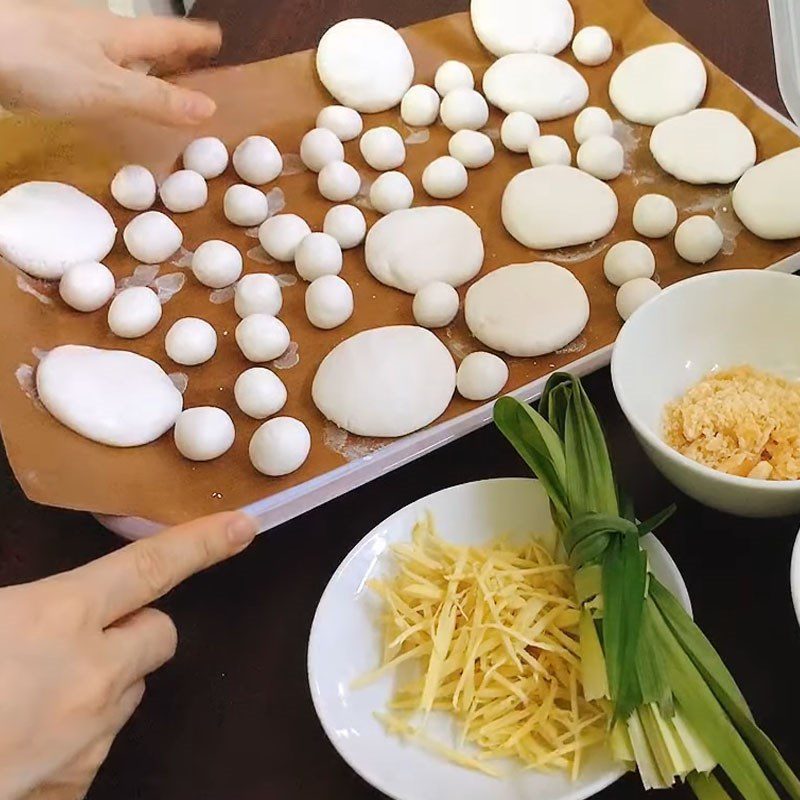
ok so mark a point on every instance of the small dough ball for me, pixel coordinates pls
(204, 433)
(464, 109)
(191, 341)
(217, 264)
(347, 225)
(152, 237)
(518, 131)
(184, 190)
(472, 148)
(134, 187)
(383, 148)
(245, 205)
(592, 46)
(445, 178)
(319, 148)
(420, 106)
(698, 239)
(338, 181)
(481, 376)
(134, 312)
(453, 75)
(259, 393)
(628, 260)
(329, 302)
(654, 216)
(592, 121)
(280, 235)
(633, 294)
(317, 255)
(435, 305)
(345, 122)
(257, 160)
(602, 156)
(549, 150)
(262, 337)
(391, 192)
(87, 286)
(207, 156)
(257, 293)
(280, 446)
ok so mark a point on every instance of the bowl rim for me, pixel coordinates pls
(794, 576)
(628, 331)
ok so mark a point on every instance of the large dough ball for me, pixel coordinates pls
(628, 260)
(259, 393)
(345, 122)
(392, 191)
(258, 293)
(207, 156)
(152, 237)
(338, 181)
(329, 302)
(435, 305)
(257, 160)
(280, 446)
(592, 46)
(87, 287)
(204, 433)
(654, 216)
(602, 156)
(383, 148)
(634, 294)
(216, 264)
(245, 205)
(280, 235)
(319, 148)
(698, 239)
(134, 187)
(472, 148)
(191, 341)
(420, 106)
(262, 337)
(481, 376)
(518, 131)
(347, 225)
(134, 312)
(464, 109)
(592, 121)
(444, 178)
(549, 149)
(317, 255)
(453, 75)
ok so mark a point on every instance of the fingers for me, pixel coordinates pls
(142, 642)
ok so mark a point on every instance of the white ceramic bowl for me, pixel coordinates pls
(711, 322)
(795, 577)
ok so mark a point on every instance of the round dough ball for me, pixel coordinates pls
(453, 75)
(602, 156)
(481, 376)
(317, 255)
(435, 305)
(472, 148)
(518, 131)
(217, 264)
(698, 239)
(345, 122)
(152, 237)
(184, 191)
(420, 106)
(592, 46)
(204, 433)
(262, 337)
(347, 225)
(191, 341)
(280, 235)
(444, 178)
(383, 148)
(329, 302)
(258, 293)
(654, 216)
(245, 205)
(257, 160)
(392, 191)
(634, 294)
(319, 148)
(592, 121)
(134, 187)
(549, 149)
(365, 65)
(464, 109)
(628, 260)
(338, 181)
(134, 312)
(207, 156)
(88, 286)
(259, 393)
(280, 446)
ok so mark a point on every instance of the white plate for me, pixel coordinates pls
(345, 644)
(795, 576)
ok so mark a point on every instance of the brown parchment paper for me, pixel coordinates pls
(280, 98)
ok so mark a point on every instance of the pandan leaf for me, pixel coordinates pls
(648, 526)
(650, 671)
(706, 787)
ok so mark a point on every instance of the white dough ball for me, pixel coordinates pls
(329, 302)
(338, 181)
(435, 305)
(453, 75)
(257, 160)
(391, 192)
(592, 121)
(185, 190)
(634, 294)
(259, 393)
(258, 293)
(280, 446)
(152, 237)
(245, 205)
(347, 225)
(317, 255)
(472, 148)
(383, 148)
(549, 149)
(87, 286)
(464, 109)
(262, 337)
(445, 178)
(217, 264)
(204, 433)
(207, 156)
(698, 239)
(654, 216)
(345, 122)
(319, 148)
(134, 187)
(518, 130)
(602, 156)
(280, 235)
(592, 46)
(481, 376)
(420, 106)
(191, 341)
(134, 312)
(628, 260)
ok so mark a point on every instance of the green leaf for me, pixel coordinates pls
(706, 787)
(648, 526)
(649, 669)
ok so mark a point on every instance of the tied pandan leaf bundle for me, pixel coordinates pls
(676, 712)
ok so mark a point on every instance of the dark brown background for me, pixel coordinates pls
(231, 717)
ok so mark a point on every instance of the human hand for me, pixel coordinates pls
(75, 649)
(58, 59)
